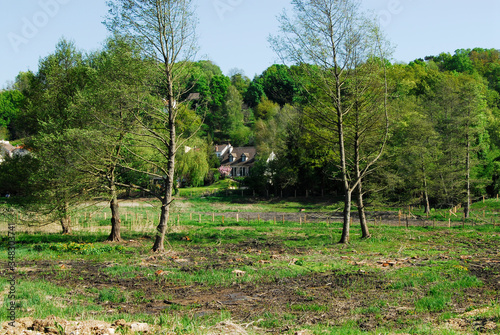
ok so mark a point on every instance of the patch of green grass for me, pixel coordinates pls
(40, 299)
(270, 320)
(112, 295)
(308, 307)
(433, 303)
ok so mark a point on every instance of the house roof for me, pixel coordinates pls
(237, 153)
(221, 147)
(193, 96)
(7, 146)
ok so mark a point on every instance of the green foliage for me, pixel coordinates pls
(11, 102)
(266, 109)
(254, 93)
(278, 84)
(219, 86)
(435, 105)
(15, 174)
(241, 83)
(192, 164)
(52, 90)
(234, 125)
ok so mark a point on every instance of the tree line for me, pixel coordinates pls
(142, 113)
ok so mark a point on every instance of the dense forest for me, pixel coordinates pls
(83, 116)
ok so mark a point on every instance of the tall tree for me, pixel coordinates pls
(48, 118)
(337, 38)
(472, 106)
(165, 29)
(367, 124)
(117, 89)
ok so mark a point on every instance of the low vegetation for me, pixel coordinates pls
(267, 276)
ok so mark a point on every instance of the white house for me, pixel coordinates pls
(8, 150)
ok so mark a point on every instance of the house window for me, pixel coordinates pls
(231, 158)
(243, 158)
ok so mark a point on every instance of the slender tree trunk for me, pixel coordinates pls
(426, 192)
(159, 244)
(347, 217)
(65, 220)
(347, 195)
(365, 232)
(66, 225)
(116, 222)
(467, 163)
(344, 239)
(426, 202)
(115, 235)
(161, 229)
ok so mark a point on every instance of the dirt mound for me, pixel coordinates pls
(55, 325)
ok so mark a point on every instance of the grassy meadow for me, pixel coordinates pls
(230, 261)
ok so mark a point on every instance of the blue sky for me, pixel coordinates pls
(233, 33)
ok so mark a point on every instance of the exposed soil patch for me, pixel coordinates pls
(488, 271)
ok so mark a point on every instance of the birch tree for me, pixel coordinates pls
(165, 30)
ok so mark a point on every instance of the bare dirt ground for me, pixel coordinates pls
(246, 302)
